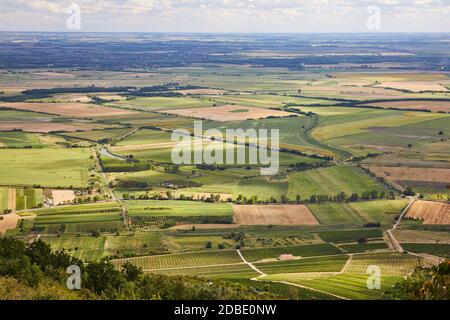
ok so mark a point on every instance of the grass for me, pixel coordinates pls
(323, 181)
(18, 140)
(441, 250)
(293, 132)
(63, 219)
(350, 286)
(98, 135)
(80, 209)
(322, 264)
(358, 213)
(331, 181)
(342, 236)
(95, 248)
(225, 272)
(169, 213)
(177, 208)
(87, 213)
(45, 167)
(298, 251)
(183, 260)
(357, 248)
(285, 290)
(28, 198)
(3, 199)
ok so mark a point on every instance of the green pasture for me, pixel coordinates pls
(46, 167)
(358, 213)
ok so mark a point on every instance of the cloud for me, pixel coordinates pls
(226, 15)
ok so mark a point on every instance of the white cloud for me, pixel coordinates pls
(226, 15)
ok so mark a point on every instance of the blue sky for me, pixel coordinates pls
(228, 15)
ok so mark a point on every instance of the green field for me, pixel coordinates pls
(183, 260)
(18, 140)
(145, 136)
(80, 209)
(80, 214)
(441, 250)
(357, 248)
(95, 248)
(331, 181)
(342, 236)
(100, 135)
(224, 272)
(3, 199)
(154, 212)
(45, 167)
(177, 208)
(352, 284)
(297, 251)
(28, 198)
(359, 213)
(323, 264)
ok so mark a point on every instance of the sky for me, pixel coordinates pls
(226, 16)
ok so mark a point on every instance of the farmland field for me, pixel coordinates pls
(270, 215)
(46, 167)
(97, 157)
(382, 211)
(184, 260)
(430, 212)
(298, 251)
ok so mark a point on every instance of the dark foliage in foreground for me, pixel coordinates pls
(424, 284)
(35, 272)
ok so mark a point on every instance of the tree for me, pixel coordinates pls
(354, 197)
(362, 240)
(131, 272)
(298, 198)
(341, 197)
(208, 245)
(409, 192)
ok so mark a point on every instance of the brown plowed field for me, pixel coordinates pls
(273, 215)
(8, 222)
(430, 212)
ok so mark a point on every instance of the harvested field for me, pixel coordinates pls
(399, 176)
(12, 199)
(79, 110)
(273, 215)
(8, 222)
(430, 212)
(62, 196)
(45, 127)
(201, 92)
(435, 106)
(229, 113)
